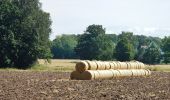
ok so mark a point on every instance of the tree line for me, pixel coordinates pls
(95, 44)
(24, 38)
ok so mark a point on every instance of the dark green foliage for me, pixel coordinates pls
(166, 49)
(141, 51)
(94, 44)
(131, 39)
(152, 54)
(128, 35)
(166, 57)
(63, 47)
(124, 50)
(23, 29)
(113, 37)
(44, 30)
(142, 43)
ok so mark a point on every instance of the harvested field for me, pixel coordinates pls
(57, 86)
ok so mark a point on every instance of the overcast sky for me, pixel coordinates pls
(147, 17)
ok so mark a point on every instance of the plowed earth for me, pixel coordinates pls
(57, 86)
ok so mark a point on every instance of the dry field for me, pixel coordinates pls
(68, 66)
(51, 82)
(163, 68)
(27, 85)
(58, 65)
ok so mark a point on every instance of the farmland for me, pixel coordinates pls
(69, 65)
(52, 85)
(40, 58)
(52, 82)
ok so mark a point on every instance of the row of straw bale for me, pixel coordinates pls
(108, 74)
(99, 65)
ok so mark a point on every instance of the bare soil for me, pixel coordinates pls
(27, 85)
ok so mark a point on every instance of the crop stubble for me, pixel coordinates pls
(56, 85)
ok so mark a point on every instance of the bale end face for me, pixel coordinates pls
(75, 75)
(81, 66)
(87, 75)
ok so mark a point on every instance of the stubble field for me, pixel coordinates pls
(54, 85)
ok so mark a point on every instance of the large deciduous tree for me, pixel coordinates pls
(24, 33)
(94, 44)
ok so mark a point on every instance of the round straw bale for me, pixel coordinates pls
(128, 65)
(123, 65)
(134, 72)
(92, 65)
(96, 74)
(139, 72)
(118, 65)
(107, 65)
(98, 63)
(142, 65)
(138, 65)
(115, 73)
(105, 74)
(75, 75)
(88, 75)
(111, 65)
(82, 66)
(148, 72)
(133, 65)
(115, 65)
(89, 64)
(125, 73)
(143, 72)
(102, 65)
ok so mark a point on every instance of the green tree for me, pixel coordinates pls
(152, 54)
(22, 26)
(94, 44)
(166, 49)
(131, 39)
(113, 37)
(128, 35)
(63, 47)
(43, 29)
(124, 50)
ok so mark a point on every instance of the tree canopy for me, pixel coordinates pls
(24, 33)
(94, 44)
(124, 48)
(152, 54)
(166, 49)
(63, 47)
